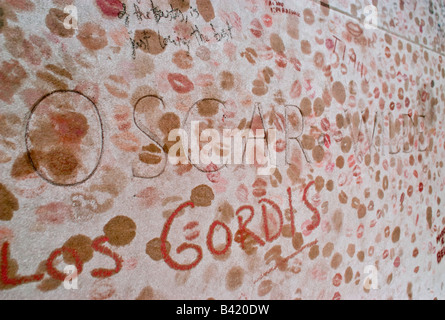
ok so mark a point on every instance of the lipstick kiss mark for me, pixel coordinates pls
(110, 8)
(180, 83)
(190, 230)
(256, 28)
(259, 188)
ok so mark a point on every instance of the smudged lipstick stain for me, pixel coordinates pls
(280, 146)
(256, 28)
(117, 86)
(397, 262)
(281, 60)
(180, 83)
(92, 36)
(31, 192)
(337, 296)
(354, 29)
(296, 63)
(296, 89)
(110, 8)
(267, 20)
(360, 231)
(53, 213)
(204, 80)
(131, 263)
(102, 290)
(90, 90)
(213, 175)
(329, 44)
(126, 141)
(6, 234)
(191, 231)
(305, 228)
(149, 196)
(242, 194)
(259, 186)
(122, 118)
(336, 281)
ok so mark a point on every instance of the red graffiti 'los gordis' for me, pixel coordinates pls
(272, 225)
